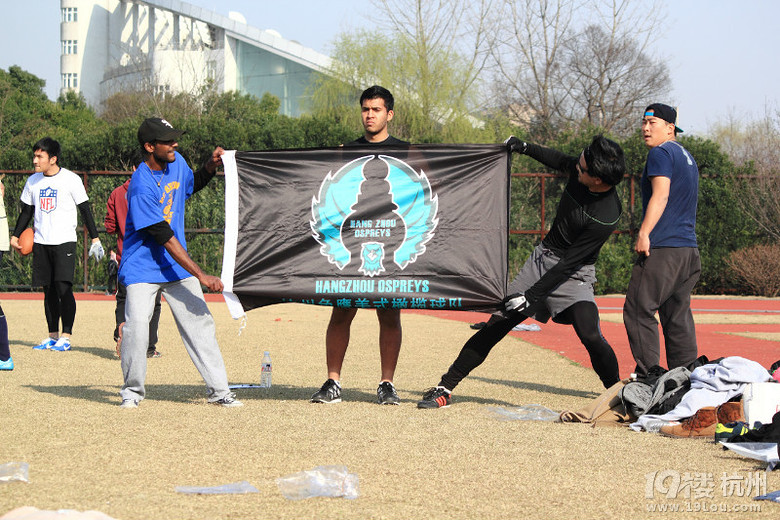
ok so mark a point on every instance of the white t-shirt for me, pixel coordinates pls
(55, 199)
(4, 241)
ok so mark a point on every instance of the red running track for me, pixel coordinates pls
(714, 340)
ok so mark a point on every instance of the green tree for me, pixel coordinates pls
(436, 87)
(721, 224)
(243, 122)
(24, 116)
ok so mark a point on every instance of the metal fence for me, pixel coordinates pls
(543, 179)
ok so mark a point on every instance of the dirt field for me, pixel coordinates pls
(60, 414)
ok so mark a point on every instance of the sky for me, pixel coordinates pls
(722, 55)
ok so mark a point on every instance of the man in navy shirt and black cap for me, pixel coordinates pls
(668, 265)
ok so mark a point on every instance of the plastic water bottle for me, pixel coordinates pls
(322, 481)
(265, 370)
(14, 471)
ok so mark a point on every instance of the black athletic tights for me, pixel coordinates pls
(59, 302)
(5, 351)
(583, 316)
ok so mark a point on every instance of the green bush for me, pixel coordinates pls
(520, 248)
(720, 225)
(613, 268)
(243, 122)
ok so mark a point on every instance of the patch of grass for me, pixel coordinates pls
(60, 414)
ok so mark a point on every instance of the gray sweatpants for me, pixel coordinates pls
(195, 324)
(662, 282)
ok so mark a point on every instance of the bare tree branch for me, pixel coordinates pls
(551, 73)
(756, 148)
(449, 37)
(526, 51)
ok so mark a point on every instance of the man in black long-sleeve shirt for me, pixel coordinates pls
(557, 280)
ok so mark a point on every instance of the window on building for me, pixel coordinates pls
(70, 47)
(161, 89)
(70, 80)
(70, 14)
(211, 69)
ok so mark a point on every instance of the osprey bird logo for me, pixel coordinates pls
(372, 254)
(338, 195)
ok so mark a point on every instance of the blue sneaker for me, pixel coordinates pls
(62, 345)
(46, 344)
(726, 432)
(8, 364)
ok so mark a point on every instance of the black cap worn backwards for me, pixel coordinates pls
(157, 129)
(664, 112)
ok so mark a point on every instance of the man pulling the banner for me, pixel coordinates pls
(557, 279)
(155, 260)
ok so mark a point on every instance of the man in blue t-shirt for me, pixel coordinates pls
(155, 259)
(668, 265)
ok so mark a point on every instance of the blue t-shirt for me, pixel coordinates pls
(154, 196)
(677, 225)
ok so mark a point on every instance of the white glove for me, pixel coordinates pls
(516, 303)
(96, 251)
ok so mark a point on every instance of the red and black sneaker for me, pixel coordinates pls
(436, 397)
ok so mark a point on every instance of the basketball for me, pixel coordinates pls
(26, 241)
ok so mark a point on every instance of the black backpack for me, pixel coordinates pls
(646, 397)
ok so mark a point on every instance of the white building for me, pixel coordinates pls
(171, 46)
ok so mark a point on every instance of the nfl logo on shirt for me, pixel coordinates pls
(48, 199)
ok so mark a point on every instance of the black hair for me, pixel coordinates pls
(605, 160)
(378, 92)
(138, 157)
(50, 146)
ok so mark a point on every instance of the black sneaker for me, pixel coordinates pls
(385, 393)
(329, 393)
(229, 401)
(436, 397)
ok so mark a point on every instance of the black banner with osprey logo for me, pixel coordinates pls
(420, 227)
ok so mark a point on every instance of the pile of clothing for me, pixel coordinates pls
(712, 395)
(703, 400)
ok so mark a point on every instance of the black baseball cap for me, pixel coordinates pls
(665, 112)
(157, 129)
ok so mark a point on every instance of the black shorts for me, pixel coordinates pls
(53, 263)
